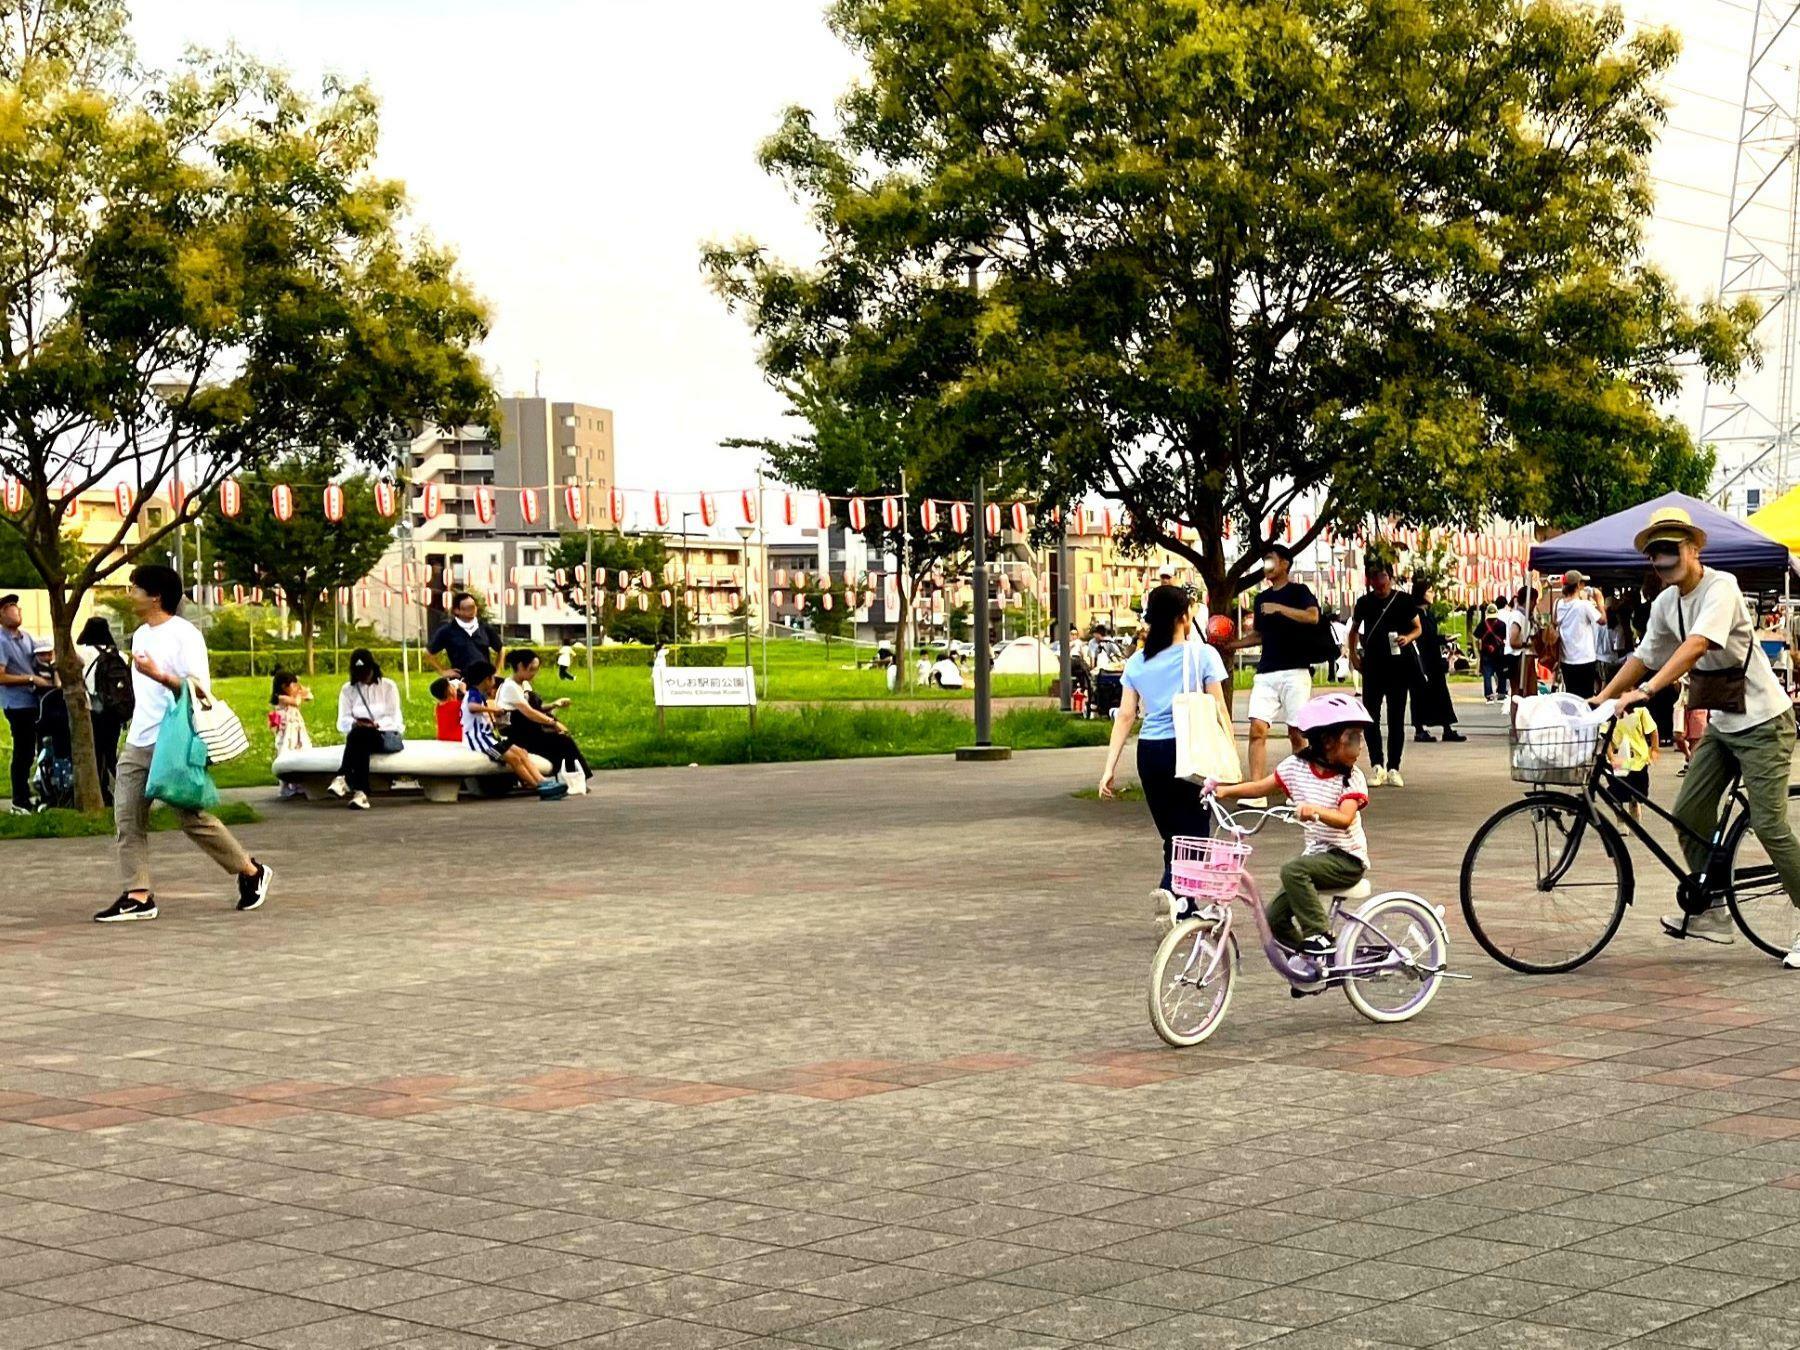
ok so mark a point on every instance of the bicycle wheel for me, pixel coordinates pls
(1758, 900)
(1190, 983)
(1544, 884)
(1398, 934)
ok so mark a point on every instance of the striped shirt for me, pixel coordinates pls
(1306, 784)
(478, 731)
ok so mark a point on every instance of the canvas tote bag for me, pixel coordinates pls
(217, 726)
(1204, 744)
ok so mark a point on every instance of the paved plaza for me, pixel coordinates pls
(853, 1055)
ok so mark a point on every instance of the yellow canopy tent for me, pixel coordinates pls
(1780, 519)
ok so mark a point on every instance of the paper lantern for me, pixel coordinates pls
(1106, 520)
(123, 496)
(859, 515)
(928, 515)
(659, 502)
(747, 503)
(824, 504)
(334, 502)
(787, 508)
(71, 502)
(890, 513)
(1021, 518)
(990, 517)
(281, 499)
(775, 598)
(1080, 517)
(615, 502)
(666, 598)
(959, 517)
(530, 509)
(386, 499)
(709, 510)
(485, 509)
(15, 496)
(177, 495)
(574, 502)
(432, 500)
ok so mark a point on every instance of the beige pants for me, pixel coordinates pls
(132, 812)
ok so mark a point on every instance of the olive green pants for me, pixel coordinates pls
(1297, 912)
(1763, 754)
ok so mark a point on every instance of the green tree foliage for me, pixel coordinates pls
(202, 270)
(1237, 253)
(306, 557)
(621, 553)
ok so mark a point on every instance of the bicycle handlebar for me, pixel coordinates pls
(1285, 814)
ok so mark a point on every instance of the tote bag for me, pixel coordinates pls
(217, 726)
(178, 764)
(1204, 744)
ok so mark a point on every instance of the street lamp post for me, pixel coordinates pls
(686, 516)
(744, 532)
(1065, 620)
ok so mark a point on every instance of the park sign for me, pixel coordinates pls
(705, 686)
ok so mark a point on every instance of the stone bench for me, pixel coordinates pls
(443, 769)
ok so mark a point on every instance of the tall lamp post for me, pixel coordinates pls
(744, 532)
(686, 516)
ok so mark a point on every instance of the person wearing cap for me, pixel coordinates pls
(1578, 618)
(1700, 628)
(20, 681)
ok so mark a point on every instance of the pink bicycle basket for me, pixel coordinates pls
(1206, 869)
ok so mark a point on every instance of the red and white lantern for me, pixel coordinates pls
(890, 513)
(237, 592)
(747, 503)
(859, 515)
(709, 510)
(432, 500)
(824, 505)
(660, 503)
(15, 496)
(177, 495)
(990, 517)
(928, 515)
(281, 499)
(386, 499)
(531, 510)
(574, 502)
(1021, 518)
(959, 517)
(787, 508)
(123, 497)
(334, 502)
(484, 512)
(615, 503)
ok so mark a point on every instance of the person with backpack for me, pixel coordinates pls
(110, 700)
(1490, 641)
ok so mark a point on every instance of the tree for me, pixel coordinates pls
(619, 554)
(202, 273)
(306, 557)
(1247, 260)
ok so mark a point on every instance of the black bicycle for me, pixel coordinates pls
(1547, 878)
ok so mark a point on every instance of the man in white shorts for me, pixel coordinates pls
(1285, 624)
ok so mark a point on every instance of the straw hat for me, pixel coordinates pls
(1669, 524)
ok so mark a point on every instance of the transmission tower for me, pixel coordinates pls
(1754, 423)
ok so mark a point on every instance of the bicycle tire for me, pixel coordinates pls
(1612, 844)
(1786, 921)
(1166, 950)
(1425, 918)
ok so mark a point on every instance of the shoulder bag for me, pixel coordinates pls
(392, 742)
(1204, 744)
(217, 726)
(1725, 691)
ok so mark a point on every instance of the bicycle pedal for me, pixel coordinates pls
(1295, 992)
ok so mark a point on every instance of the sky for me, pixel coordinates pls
(578, 153)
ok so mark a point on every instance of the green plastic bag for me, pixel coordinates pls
(178, 773)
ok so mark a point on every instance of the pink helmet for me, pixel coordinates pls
(1331, 710)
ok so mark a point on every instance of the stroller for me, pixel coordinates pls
(1109, 692)
(53, 767)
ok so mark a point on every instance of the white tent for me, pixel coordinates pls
(1026, 656)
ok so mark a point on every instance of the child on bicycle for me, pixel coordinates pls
(1329, 793)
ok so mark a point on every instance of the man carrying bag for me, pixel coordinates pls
(164, 757)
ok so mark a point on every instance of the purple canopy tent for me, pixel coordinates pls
(1605, 550)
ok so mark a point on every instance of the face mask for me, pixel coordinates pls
(469, 625)
(1666, 564)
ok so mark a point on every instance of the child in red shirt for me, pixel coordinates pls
(449, 709)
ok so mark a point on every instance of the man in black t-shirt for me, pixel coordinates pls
(464, 640)
(1383, 625)
(1285, 619)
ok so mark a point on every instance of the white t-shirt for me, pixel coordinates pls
(948, 674)
(512, 694)
(1510, 616)
(1579, 623)
(1715, 610)
(565, 656)
(177, 647)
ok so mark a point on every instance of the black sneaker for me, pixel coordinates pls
(125, 909)
(252, 891)
(1423, 736)
(1320, 946)
(1454, 736)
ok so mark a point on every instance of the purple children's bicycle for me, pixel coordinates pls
(1390, 958)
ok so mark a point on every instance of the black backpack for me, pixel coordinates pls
(112, 685)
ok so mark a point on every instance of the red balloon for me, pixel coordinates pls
(1219, 628)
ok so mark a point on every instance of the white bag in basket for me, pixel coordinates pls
(217, 726)
(1554, 731)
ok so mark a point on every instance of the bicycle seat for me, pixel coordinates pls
(1362, 890)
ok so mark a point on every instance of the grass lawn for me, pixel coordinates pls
(89, 825)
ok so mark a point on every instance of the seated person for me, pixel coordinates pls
(529, 719)
(448, 695)
(480, 733)
(946, 674)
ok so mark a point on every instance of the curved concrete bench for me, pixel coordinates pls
(442, 768)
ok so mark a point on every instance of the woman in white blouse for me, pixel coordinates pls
(370, 718)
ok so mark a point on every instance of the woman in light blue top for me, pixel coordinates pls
(1171, 659)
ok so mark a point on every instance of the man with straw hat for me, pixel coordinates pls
(1699, 628)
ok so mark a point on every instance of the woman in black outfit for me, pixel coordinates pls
(109, 724)
(1431, 695)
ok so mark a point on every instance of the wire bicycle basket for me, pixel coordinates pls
(1206, 869)
(1560, 755)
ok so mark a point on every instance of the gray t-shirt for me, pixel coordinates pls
(1715, 610)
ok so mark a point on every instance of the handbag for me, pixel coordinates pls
(217, 726)
(178, 764)
(1725, 691)
(1204, 744)
(391, 742)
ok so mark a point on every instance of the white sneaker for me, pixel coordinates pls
(1165, 907)
(1792, 959)
(1378, 777)
(337, 787)
(1394, 779)
(359, 801)
(1712, 925)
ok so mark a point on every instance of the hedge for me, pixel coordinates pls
(330, 660)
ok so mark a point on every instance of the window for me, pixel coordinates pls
(531, 557)
(1752, 499)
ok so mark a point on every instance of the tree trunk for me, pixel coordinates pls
(75, 697)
